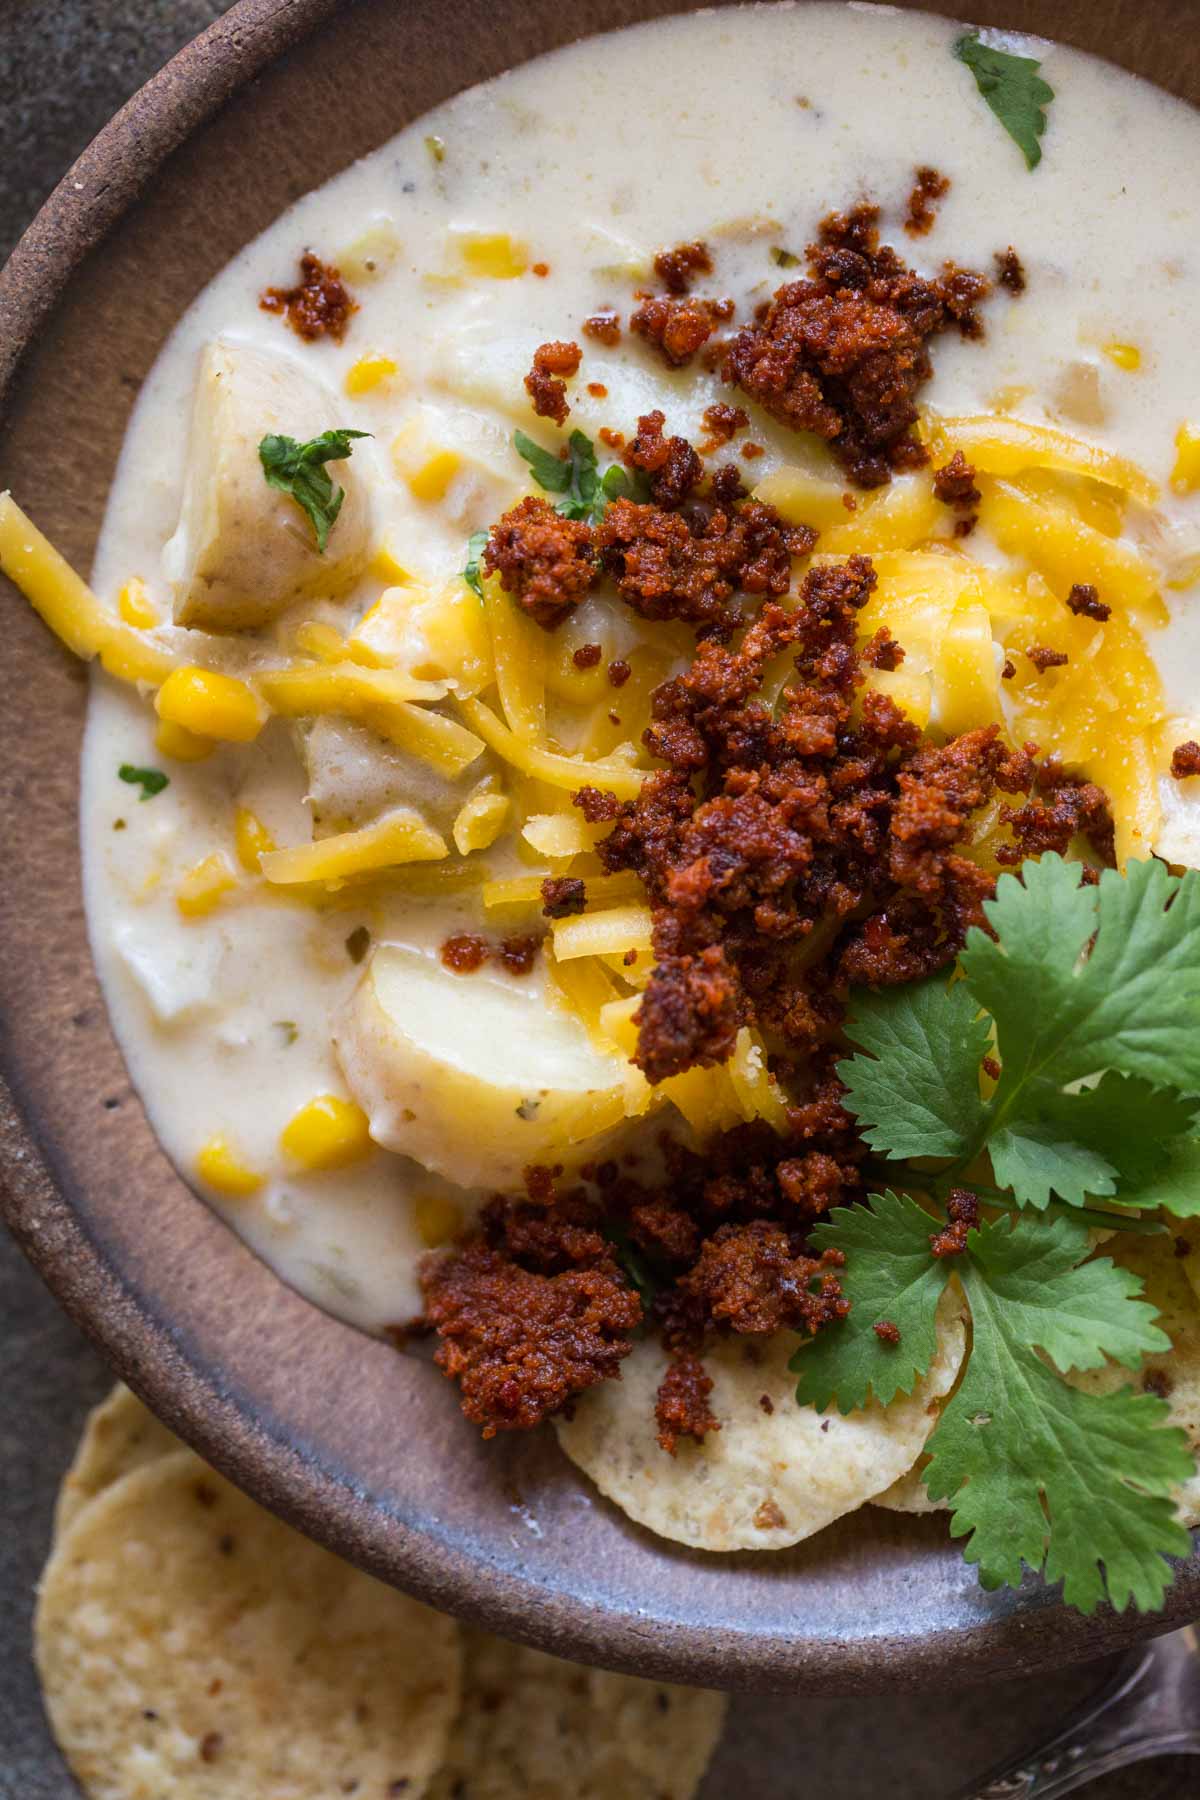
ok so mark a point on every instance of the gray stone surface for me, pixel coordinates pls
(65, 66)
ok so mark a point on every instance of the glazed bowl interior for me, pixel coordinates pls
(360, 1447)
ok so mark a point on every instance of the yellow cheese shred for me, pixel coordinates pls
(68, 606)
(401, 837)
(550, 766)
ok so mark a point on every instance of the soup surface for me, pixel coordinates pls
(497, 223)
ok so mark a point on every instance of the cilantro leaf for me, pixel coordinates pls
(577, 477)
(1012, 88)
(619, 483)
(634, 1266)
(299, 470)
(471, 575)
(891, 1273)
(1174, 1184)
(1040, 1473)
(1064, 1011)
(151, 781)
(1108, 1140)
(917, 1092)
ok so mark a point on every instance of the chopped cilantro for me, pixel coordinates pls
(636, 1269)
(585, 493)
(299, 470)
(151, 781)
(471, 575)
(1087, 996)
(436, 147)
(1012, 88)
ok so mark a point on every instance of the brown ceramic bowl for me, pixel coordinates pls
(357, 1446)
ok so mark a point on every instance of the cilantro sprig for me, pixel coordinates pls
(585, 492)
(299, 470)
(1013, 89)
(1087, 996)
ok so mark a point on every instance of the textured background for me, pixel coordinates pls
(65, 67)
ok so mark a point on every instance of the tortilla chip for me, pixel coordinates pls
(769, 1477)
(192, 1647)
(1176, 1373)
(535, 1728)
(909, 1494)
(120, 1435)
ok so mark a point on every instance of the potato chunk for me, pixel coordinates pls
(473, 1076)
(243, 552)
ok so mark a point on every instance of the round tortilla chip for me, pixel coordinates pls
(119, 1435)
(1176, 1373)
(768, 1478)
(535, 1728)
(192, 1647)
(909, 1494)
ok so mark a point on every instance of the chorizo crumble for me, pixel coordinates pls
(320, 305)
(790, 842)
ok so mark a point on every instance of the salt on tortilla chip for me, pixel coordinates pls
(535, 1728)
(770, 1476)
(1176, 1373)
(193, 1647)
(119, 1435)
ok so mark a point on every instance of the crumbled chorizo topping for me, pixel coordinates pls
(465, 952)
(681, 1406)
(678, 326)
(928, 188)
(962, 1211)
(604, 327)
(678, 268)
(1043, 657)
(1010, 273)
(563, 895)
(1084, 601)
(671, 464)
(887, 1331)
(667, 566)
(320, 305)
(542, 559)
(530, 1312)
(843, 353)
(954, 484)
(587, 655)
(1185, 760)
(721, 422)
(544, 383)
(831, 812)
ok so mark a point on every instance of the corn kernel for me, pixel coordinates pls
(438, 1219)
(368, 372)
(133, 604)
(182, 744)
(1126, 356)
(1185, 476)
(211, 705)
(429, 479)
(386, 566)
(204, 886)
(314, 638)
(494, 254)
(481, 819)
(251, 839)
(328, 1133)
(219, 1166)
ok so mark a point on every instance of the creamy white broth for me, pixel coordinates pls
(596, 157)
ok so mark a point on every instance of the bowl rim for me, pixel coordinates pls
(97, 191)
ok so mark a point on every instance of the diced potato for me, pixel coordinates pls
(355, 776)
(243, 551)
(473, 1076)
